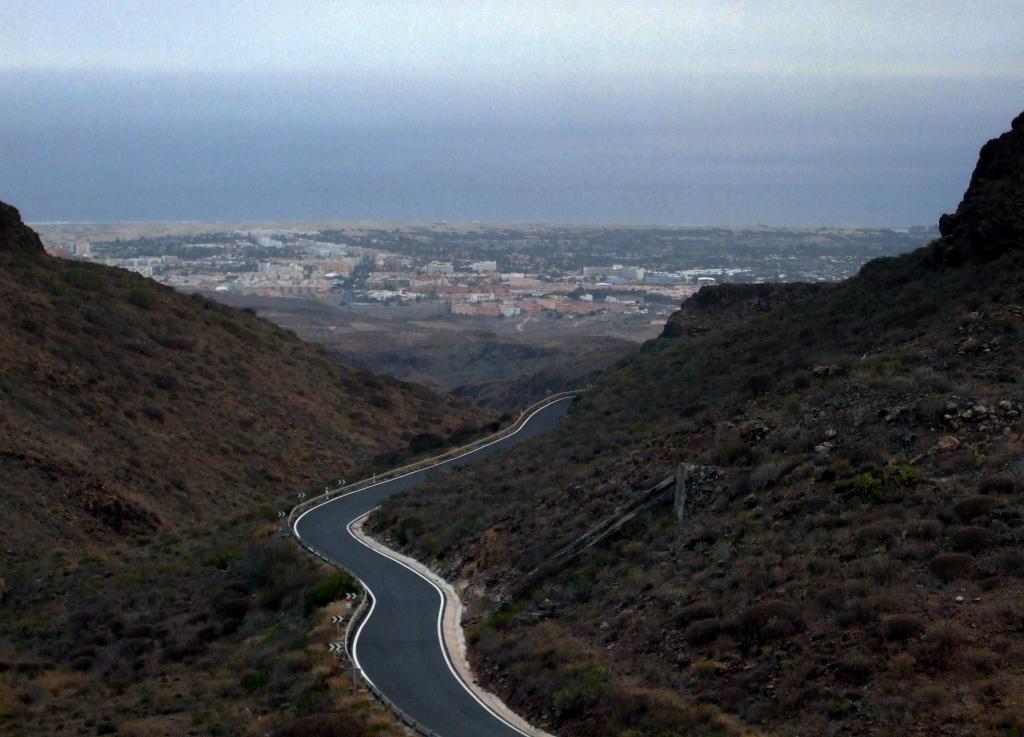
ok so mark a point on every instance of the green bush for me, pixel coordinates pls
(904, 476)
(425, 441)
(869, 487)
(409, 529)
(579, 688)
(143, 298)
(252, 681)
(84, 278)
(330, 589)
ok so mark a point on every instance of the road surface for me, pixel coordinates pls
(398, 646)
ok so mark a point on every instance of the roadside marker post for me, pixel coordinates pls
(338, 648)
(336, 620)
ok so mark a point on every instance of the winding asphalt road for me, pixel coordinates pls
(398, 645)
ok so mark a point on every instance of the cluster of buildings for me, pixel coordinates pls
(478, 290)
(475, 269)
(294, 265)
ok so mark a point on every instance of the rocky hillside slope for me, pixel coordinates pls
(126, 407)
(148, 441)
(849, 559)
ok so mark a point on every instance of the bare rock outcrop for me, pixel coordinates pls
(990, 218)
(15, 236)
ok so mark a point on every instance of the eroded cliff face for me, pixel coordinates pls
(15, 236)
(990, 218)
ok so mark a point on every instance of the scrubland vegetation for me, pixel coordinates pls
(854, 566)
(220, 631)
(148, 442)
(126, 407)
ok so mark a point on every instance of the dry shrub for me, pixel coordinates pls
(770, 620)
(378, 723)
(855, 668)
(900, 627)
(852, 603)
(972, 507)
(695, 612)
(703, 632)
(10, 701)
(324, 725)
(930, 697)
(970, 539)
(913, 551)
(981, 662)
(903, 665)
(926, 529)
(940, 644)
(951, 566)
(765, 475)
(998, 485)
(876, 532)
(707, 669)
(1010, 721)
(1009, 563)
(857, 612)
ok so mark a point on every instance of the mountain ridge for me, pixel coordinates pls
(127, 406)
(853, 559)
(990, 217)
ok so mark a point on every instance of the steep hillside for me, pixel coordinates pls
(126, 407)
(849, 561)
(148, 441)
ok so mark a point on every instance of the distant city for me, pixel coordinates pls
(482, 270)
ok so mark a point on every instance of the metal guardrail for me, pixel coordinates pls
(354, 620)
(362, 609)
(448, 455)
(350, 630)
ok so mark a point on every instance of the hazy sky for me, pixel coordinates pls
(676, 112)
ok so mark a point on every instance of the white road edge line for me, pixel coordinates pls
(444, 649)
(526, 421)
(440, 630)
